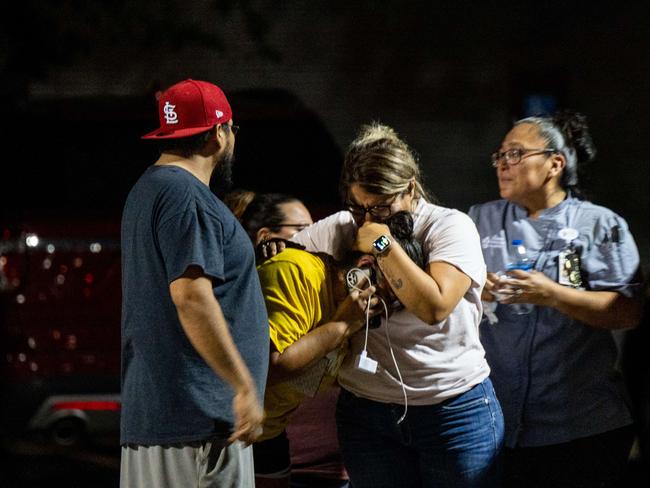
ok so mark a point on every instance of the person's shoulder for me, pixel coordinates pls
(595, 211)
(161, 186)
(598, 217)
(333, 221)
(297, 257)
(167, 175)
(332, 234)
(179, 184)
(179, 192)
(427, 212)
(491, 206)
(301, 265)
(169, 181)
(430, 214)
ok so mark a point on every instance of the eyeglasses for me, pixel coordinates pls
(378, 211)
(233, 128)
(513, 157)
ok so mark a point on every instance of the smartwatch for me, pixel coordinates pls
(381, 244)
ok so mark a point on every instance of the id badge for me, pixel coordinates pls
(569, 268)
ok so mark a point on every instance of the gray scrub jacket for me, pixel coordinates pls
(554, 376)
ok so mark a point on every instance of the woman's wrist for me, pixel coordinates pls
(369, 233)
(553, 295)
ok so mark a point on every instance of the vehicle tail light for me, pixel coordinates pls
(87, 405)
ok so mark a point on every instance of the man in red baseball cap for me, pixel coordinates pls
(188, 108)
(194, 325)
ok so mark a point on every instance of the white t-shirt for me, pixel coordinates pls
(436, 361)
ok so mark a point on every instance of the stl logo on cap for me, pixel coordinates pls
(189, 108)
(171, 117)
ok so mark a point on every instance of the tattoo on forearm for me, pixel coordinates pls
(397, 284)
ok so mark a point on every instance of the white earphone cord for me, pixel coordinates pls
(390, 346)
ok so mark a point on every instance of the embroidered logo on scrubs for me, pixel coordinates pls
(498, 242)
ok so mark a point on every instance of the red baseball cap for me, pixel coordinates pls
(188, 108)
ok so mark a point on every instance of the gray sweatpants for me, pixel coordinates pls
(207, 464)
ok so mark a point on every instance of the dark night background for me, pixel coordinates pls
(78, 80)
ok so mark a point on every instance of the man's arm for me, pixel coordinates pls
(206, 328)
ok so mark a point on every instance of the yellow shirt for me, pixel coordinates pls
(297, 288)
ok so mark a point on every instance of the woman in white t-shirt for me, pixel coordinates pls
(416, 407)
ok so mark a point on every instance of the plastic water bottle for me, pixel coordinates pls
(519, 259)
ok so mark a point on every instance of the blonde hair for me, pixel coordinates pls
(238, 200)
(381, 163)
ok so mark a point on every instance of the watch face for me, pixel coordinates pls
(381, 244)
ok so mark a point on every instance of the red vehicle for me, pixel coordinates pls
(60, 309)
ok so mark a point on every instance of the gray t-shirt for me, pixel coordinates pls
(172, 220)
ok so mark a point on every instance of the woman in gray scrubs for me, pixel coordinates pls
(566, 413)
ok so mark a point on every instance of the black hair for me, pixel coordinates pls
(401, 228)
(264, 211)
(576, 131)
(568, 133)
(185, 146)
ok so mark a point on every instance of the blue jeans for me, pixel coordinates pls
(452, 444)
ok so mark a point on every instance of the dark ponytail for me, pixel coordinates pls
(264, 211)
(568, 133)
(576, 132)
